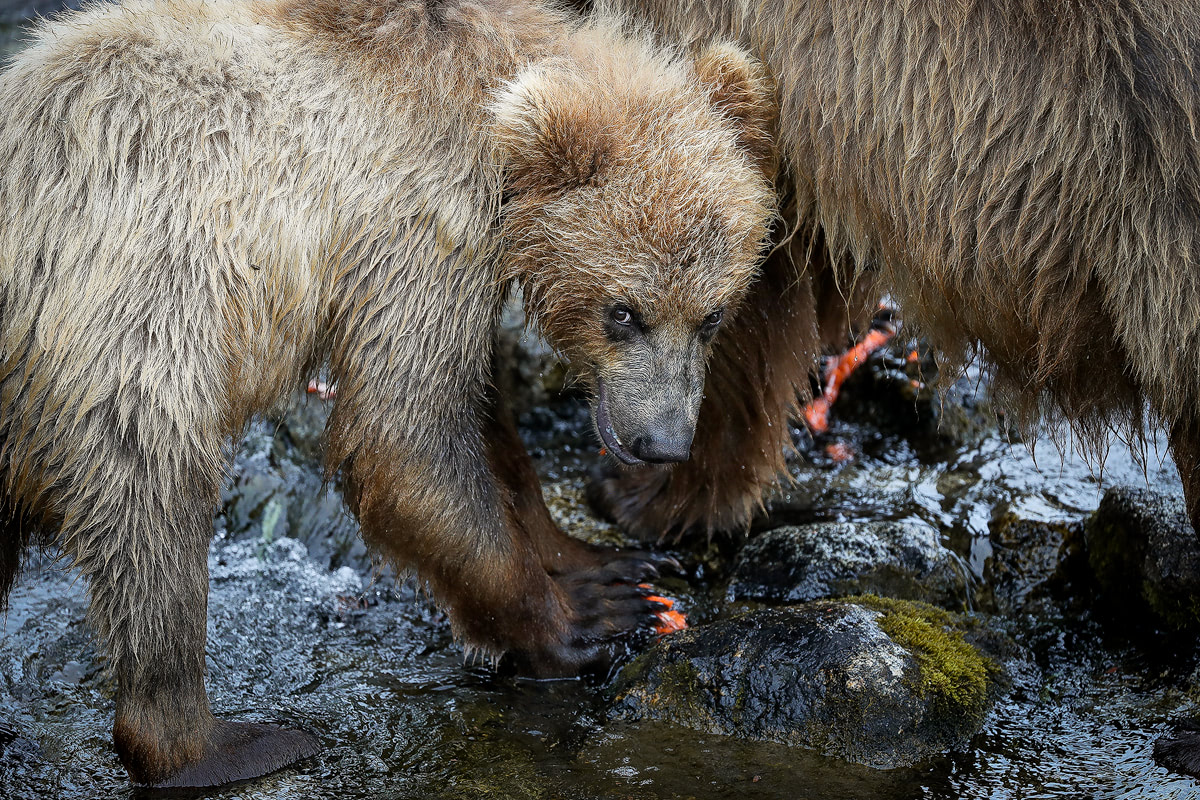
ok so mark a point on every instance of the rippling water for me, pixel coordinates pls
(401, 716)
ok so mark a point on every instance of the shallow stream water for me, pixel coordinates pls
(310, 635)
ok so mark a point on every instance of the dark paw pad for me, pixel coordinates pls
(1179, 750)
(237, 751)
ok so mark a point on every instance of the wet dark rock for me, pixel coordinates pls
(1146, 558)
(1030, 560)
(528, 371)
(567, 506)
(829, 559)
(885, 683)
(299, 424)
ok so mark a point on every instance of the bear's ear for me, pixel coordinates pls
(547, 138)
(739, 86)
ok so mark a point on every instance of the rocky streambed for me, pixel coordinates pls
(931, 609)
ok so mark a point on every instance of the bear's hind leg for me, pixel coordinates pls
(144, 550)
(1179, 750)
(1184, 439)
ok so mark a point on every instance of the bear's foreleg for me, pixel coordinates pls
(559, 553)
(432, 502)
(512, 465)
(757, 378)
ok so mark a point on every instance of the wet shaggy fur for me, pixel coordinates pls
(200, 203)
(1023, 176)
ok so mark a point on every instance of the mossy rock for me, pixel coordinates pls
(881, 682)
(954, 674)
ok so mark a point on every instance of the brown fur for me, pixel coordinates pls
(510, 461)
(1024, 175)
(738, 447)
(201, 202)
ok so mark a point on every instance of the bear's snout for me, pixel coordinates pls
(645, 427)
(665, 440)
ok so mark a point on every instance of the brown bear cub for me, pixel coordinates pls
(1024, 177)
(203, 202)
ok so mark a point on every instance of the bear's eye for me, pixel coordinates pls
(713, 320)
(622, 323)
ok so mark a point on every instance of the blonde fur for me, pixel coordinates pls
(203, 201)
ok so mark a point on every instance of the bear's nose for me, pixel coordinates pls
(664, 443)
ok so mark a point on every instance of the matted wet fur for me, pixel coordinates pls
(1024, 176)
(201, 202)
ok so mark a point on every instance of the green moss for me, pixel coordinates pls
(953, 672)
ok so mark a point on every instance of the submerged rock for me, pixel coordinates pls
(1145, 557)
(885, 683)
(1029, 559)
(798, 563)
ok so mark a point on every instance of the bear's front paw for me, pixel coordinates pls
(615, 566)
(604, 608)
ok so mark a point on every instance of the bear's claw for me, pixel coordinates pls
(634, 567)
(607, 602)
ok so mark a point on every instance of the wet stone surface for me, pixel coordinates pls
(844, 678)
(1032, 561)
(808, 562)
(1146, 558)
(278, 489)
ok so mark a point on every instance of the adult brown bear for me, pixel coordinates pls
(1024, 177)
(201, 202)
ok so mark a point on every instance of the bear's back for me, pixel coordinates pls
(222, 171)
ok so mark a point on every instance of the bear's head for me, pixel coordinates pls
(637, 202)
